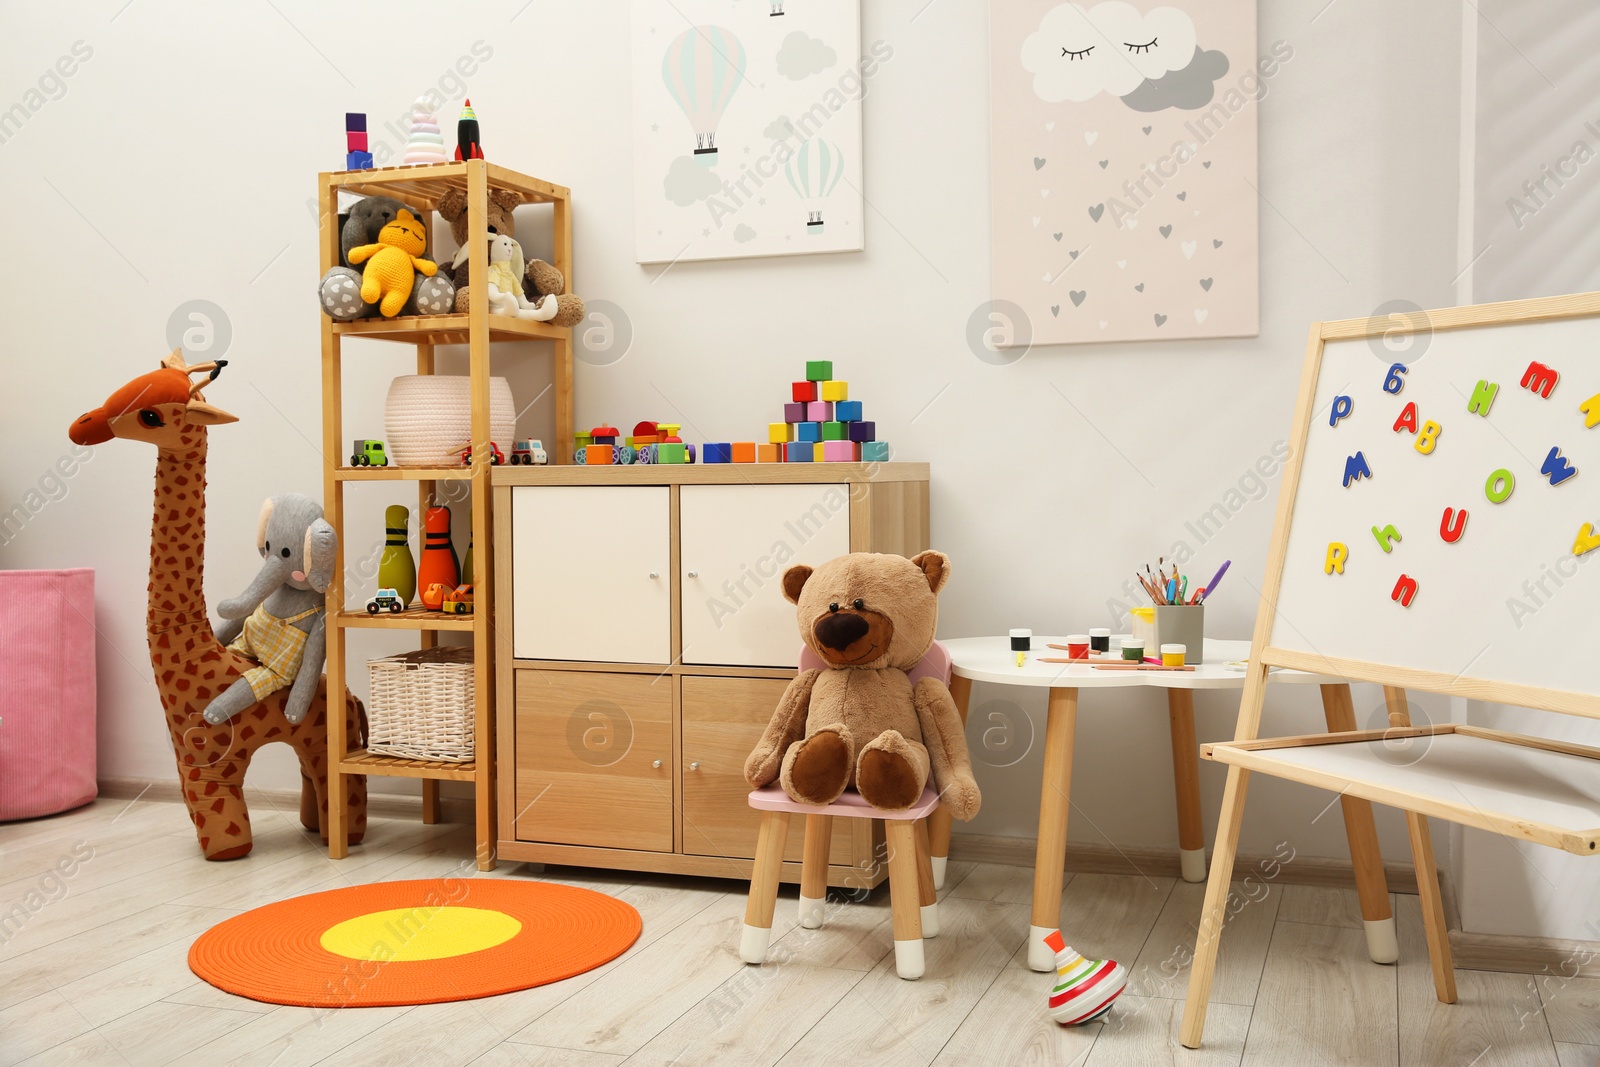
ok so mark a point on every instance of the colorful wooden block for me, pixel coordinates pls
(743, 451)
(779, 432)
(355, 140)
(819, 370)
(863, 432)
(818, 453)
(668, 452)
(718, 453)
(598, 455)
(874, 451)
(771, 453)
(804, 392)
(668, 429)
(605, 439)
(819, 411)
(640, 442)
(836, 431)
(355, 120)
(847, 410)
(799, 452)
(841, 451)
(358, 161)
(835, 390)
(795, 412)
(808, 431)
(582, 438)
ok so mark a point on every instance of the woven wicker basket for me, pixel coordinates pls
(422, 705)
(427, 418)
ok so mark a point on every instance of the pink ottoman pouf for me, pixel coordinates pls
(47, 695)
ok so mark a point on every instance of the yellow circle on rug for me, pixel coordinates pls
(419, 933)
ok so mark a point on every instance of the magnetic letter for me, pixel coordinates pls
(1587, 541)
(1386, 537)
(1337, 554)
(1557, 467)
(1452, 531)
(1394, 382)
(1405, 590)
(1428, 437)
(1540, 379)
(1341, 408)
(1482, 397)
(1499, 486)
(1407, 419)
(1355, 468)
(1591, 411)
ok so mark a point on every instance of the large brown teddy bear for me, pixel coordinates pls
(870, 617)
(540, 280)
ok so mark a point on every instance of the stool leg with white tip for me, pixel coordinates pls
(903, 899)
(927, 895)
(1372, 885)
(814, 871)
(764, 887)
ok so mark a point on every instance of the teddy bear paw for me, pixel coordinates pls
(892, 771)
(340, 295)
(817, 769)
(961, 797)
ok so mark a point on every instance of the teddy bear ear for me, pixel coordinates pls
(506, 198)
(794, 580)
(452, 204)
(935, 566)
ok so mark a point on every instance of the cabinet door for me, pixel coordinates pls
(722, 720)
(737, 540)
(590, 573)
(594, 759)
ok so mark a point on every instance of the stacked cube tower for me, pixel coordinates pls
(820, 424)
(356, 156)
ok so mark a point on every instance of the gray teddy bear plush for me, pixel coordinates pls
(339, 292)
(278, 620)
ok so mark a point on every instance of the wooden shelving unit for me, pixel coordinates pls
(422, 187)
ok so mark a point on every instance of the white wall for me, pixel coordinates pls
(178, 163)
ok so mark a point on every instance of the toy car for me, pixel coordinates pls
(458, 601)
(496, 457)
(368, 453)
(528, 453)
(387, 599)
(433, 596)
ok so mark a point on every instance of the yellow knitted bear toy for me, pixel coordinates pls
(391, 263)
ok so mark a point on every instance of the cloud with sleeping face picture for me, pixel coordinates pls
(1078, 53)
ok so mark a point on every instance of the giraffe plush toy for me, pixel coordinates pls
(191, 666)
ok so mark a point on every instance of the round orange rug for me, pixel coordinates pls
(416, 942)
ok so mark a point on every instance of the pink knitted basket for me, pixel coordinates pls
(47, 694)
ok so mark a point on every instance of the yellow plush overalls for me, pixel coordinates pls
(276, 645)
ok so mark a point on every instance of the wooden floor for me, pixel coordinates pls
(92, 971)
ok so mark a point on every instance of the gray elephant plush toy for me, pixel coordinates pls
(339, 292)
(278, 621)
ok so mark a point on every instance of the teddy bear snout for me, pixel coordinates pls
(840, 630)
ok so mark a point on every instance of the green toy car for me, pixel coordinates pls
(368, 453)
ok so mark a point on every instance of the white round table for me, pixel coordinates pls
(990, 659)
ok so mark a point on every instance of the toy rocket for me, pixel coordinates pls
(467, 144)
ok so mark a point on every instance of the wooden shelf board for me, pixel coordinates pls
(736, 867)
(447, 329)
(409, 619)
(402, 474)
(424, 185)
(364, 762)
(702, 669)
(709, 473)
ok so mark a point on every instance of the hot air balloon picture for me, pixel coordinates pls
(813, 171)
(702, 68)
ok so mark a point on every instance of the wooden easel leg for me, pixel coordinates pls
(1055, 799)
(939, 821)
(903, 907)
(814, 871)
(1432, 901)
(1186, 783)
(764, 887)
(1213, 913)
(1377, 914)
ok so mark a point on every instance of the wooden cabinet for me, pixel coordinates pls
(644, 642)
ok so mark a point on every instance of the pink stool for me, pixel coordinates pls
(912, 899)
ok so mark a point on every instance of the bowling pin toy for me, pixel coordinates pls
(396, 569)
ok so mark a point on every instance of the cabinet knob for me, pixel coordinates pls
(656, 764)
(694, 574)
(694, 766)
(655, 574)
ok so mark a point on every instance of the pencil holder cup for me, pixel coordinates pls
(1182, 624)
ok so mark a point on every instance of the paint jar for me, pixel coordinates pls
(1100, 639)
(1172, 655)
(1144, 626)
(1077, 646)
(1133, 649)
(1021, 640)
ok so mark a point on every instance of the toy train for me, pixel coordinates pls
(527, 453)
(650, 442)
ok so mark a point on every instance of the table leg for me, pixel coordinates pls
(1186, 782)
(939, 821)
(1383, 945)
(1055, 800)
